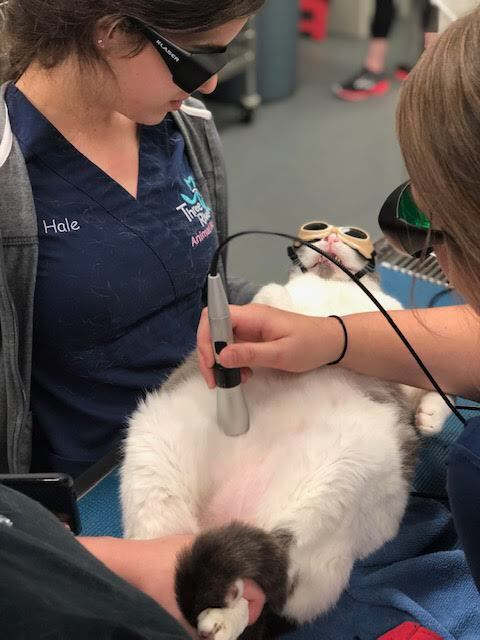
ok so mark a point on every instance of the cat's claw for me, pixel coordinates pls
(224, 624)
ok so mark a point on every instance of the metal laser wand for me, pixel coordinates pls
(232, 410)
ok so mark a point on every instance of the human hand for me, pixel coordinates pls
(268, 337)
(159, 560)
(150, 565)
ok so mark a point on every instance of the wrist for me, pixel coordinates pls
(342, 327)
(329, 340)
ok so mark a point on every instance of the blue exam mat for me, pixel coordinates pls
(414, 293)
(100, 513)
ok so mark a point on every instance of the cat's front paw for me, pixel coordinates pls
(431, 414)
(228, 623)
(220, 624)
(212, 625)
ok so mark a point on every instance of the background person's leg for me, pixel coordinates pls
(380, 28)
(382, 19)
(427, 13)
(371, 80)
(463, 484)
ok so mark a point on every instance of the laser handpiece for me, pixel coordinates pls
(232, 410)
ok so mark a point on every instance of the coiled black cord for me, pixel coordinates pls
(214, 271)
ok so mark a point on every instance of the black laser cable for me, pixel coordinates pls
(214, 272)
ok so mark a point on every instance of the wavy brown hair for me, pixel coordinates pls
(438, 125)
(49, 31)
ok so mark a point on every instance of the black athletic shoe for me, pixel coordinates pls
(362, 86)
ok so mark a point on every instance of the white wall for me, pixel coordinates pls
(451, 9)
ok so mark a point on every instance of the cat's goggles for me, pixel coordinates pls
(189, 70)
(356, 238)
(405, 226)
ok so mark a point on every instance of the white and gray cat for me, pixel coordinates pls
(321, 479)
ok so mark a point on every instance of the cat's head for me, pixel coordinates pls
(339, 246)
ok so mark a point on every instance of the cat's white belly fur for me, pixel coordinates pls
(329, 475)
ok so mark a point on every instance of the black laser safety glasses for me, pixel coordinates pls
(189, 70)
(404, 225)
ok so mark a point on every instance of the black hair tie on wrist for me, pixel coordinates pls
(345, 343)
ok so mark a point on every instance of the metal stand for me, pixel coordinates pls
(428, 270)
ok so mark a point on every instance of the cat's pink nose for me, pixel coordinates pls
(331, 239)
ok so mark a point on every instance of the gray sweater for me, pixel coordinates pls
(18, 265)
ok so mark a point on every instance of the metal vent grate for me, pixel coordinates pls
(428, 270)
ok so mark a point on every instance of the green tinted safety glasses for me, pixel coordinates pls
(404, 225)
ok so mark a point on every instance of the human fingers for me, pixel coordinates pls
(282, 340)
(256, 599)
(264, 337)
(257, 322)
(249, 322)
(206, 359)
(272, 354)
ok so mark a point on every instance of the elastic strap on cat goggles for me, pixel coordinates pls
(405, 226)
(189, 70)
(356, 238)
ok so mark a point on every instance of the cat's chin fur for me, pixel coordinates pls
(321, 479)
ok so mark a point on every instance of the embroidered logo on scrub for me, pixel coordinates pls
(194, 207)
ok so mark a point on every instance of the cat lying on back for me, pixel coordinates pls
(321, 479)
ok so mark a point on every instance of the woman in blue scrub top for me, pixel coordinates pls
(128, 192)
(114, 176)
(438, 122)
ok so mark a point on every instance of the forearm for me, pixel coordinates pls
(120, 555)
(447, 339)
(148, 565)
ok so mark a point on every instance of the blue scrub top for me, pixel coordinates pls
(119, 285)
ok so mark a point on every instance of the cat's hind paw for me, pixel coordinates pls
(431, 414)
(225, 624)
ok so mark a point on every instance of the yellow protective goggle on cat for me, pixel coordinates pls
(354, 237)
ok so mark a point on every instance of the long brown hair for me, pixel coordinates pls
(438, 125)
(48, 31)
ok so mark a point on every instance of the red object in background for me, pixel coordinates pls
(314, 20)
(410, 631)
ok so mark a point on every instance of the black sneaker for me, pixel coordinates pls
(401, 72)
(362, 86)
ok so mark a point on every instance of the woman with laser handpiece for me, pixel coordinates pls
(112, 201)
(439, 132)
